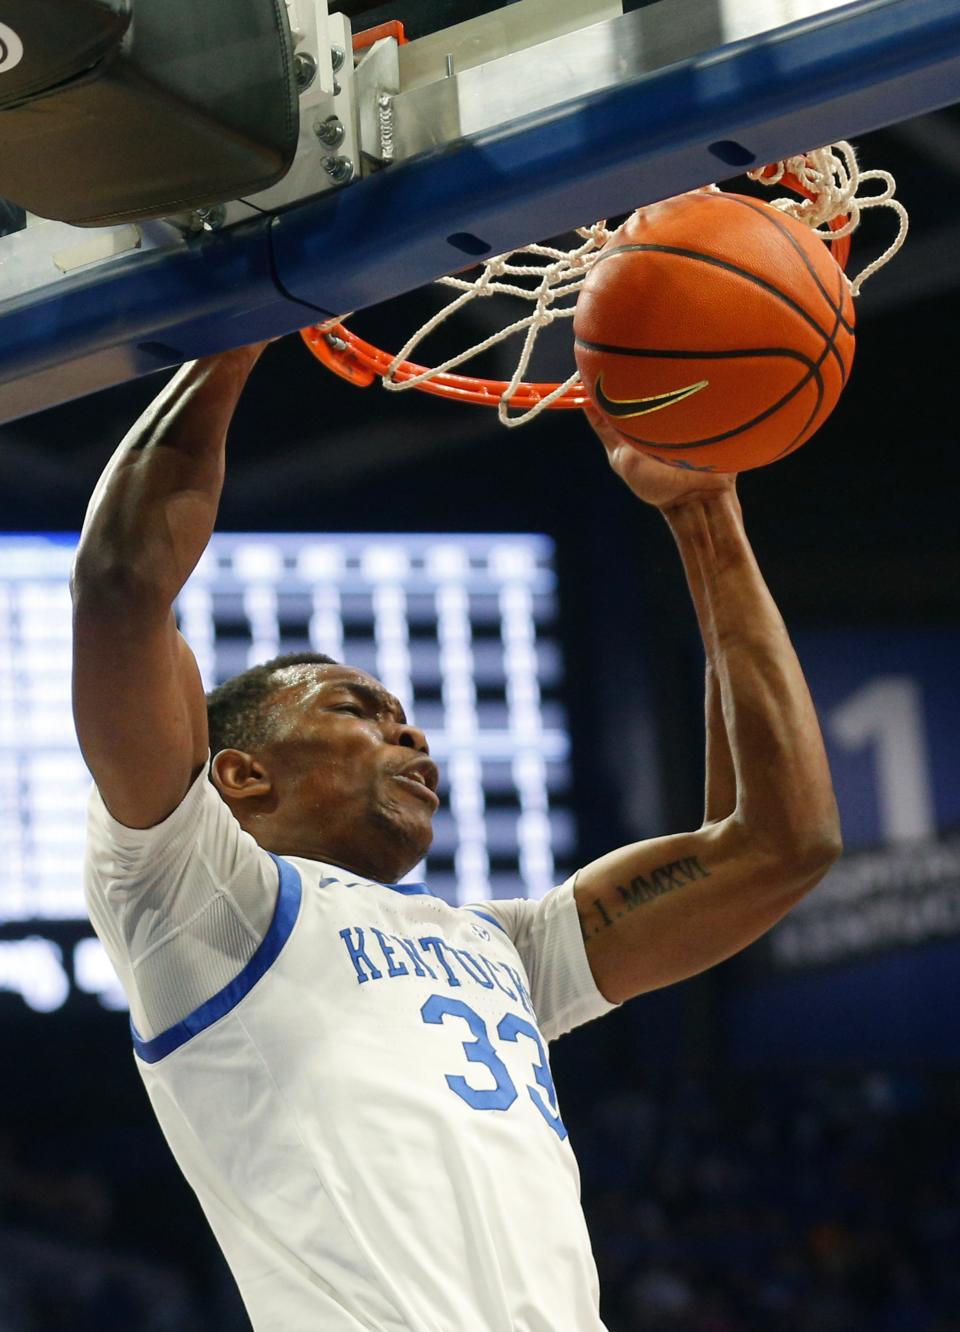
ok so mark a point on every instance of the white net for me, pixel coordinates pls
(549, 279)
(833, 176)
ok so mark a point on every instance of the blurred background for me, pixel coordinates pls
(770, 1146)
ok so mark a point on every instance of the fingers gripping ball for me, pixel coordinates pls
(715, 332)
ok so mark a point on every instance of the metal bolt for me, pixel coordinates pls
(338, 56)
(305, 69)
(339, 169)
(330, 131)
(337, 90)
(212, 219)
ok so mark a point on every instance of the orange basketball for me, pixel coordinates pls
(715, 332)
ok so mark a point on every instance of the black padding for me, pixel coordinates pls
(123, 109)
(60, 42)
(12, 218)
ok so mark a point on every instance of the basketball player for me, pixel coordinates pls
(352, 1074)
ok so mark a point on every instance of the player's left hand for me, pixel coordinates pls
(651, 480)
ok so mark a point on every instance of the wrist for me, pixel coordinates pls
(697, 504)
(709, 529)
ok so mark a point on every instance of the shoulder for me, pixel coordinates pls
(525, 918)
(180, 907)
(200, 804)
(201, 831)
(547, 936)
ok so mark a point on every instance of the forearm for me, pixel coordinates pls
(658, 911)
(720, 782)
(720, 779)
(784, 796)
(154, 508)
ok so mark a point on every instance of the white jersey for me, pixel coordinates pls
(366, 1110)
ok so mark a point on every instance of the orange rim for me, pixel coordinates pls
(360, 362)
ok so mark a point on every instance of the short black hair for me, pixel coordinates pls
(237, 715)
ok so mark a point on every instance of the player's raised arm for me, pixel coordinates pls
(137, 697)
(662, 910)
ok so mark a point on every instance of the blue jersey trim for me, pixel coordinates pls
(409, 889)
(284, 919)
(492, 919)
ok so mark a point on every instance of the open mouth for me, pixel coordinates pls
(418, 785)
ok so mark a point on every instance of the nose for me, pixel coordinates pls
(411, 737)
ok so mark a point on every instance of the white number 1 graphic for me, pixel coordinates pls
(887, 713)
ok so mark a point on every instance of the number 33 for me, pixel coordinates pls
(481, 1051)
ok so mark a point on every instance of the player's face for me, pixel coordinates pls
(353, 772)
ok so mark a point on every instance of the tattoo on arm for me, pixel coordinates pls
(641, 889)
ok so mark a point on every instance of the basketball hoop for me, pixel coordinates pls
(827, 183)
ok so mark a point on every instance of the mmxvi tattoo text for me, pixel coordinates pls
(643, 888)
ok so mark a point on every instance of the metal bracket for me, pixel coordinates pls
(329, 147)
(310, 26)
(487, 37)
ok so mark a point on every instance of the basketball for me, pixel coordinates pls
(715, 332)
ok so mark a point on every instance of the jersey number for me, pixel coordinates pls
(480, 1051)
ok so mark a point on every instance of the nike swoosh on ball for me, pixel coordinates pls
(642, 406)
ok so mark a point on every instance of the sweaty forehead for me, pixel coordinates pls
(314, 680)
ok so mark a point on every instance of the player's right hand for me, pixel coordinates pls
(651, 480)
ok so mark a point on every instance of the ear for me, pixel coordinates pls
(240, 776)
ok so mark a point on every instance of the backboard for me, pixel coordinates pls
(472, 139)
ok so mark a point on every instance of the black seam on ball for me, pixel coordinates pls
(762, 283)
(811, 421)
(684, 355)
(764, 210)
(813, 415)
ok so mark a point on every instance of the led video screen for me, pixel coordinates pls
(462, 628)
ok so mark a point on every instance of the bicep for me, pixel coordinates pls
(139, 706)
(660, 911)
